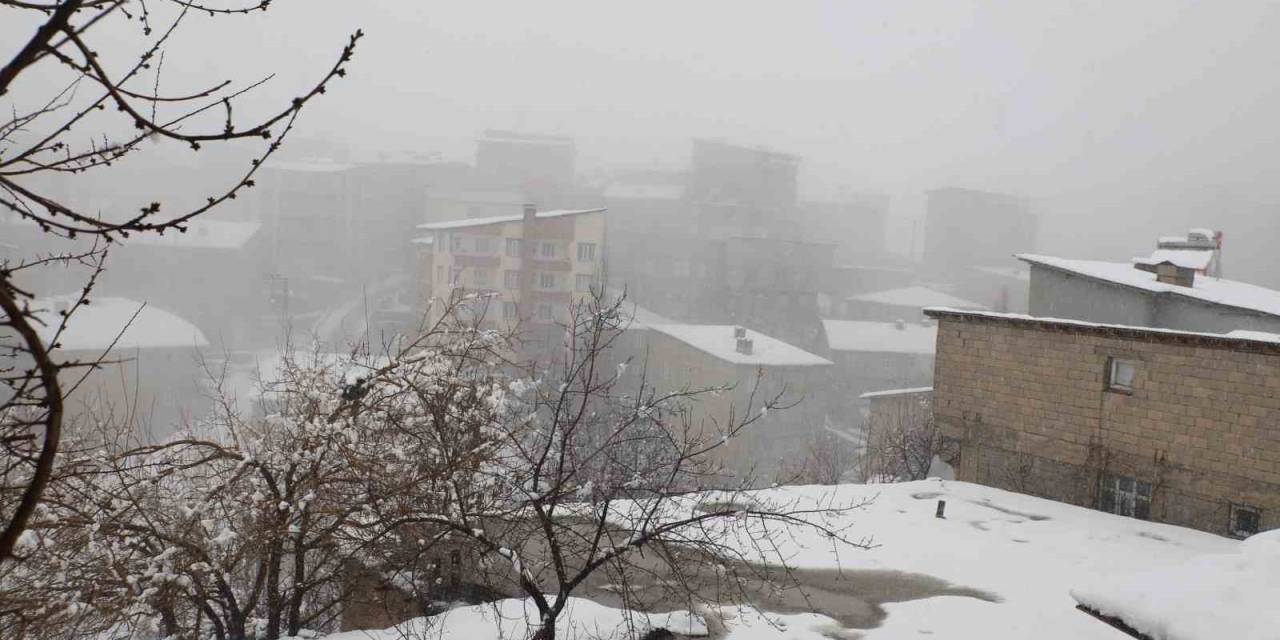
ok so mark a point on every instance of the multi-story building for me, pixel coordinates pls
(539, 166)
(1167, 295)
(534, 267)
(751, 365)
(967, 227)
(1173, 426)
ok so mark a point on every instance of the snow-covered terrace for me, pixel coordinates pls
(719, 341)
(880, 337)
(1239, 337)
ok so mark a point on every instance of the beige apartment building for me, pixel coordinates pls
(534, 267)
(1172, 426)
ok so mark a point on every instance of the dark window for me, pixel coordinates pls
(1120, 374)
(1126, 497)
(1245, 520)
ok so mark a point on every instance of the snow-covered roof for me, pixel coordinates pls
(95, 326)
(1240, 335)
(1206, 288)
(1197, 259)
(718, 340)
(1215, 595)
(202, 234)
(480, 222)
(645, 191)
(916, 296)
(895, 392)
(880, 337)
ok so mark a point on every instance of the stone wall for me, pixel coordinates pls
(1028, 400)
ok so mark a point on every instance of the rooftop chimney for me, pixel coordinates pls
(530, 211)
(744, 346)
(1169, 273)
(739, 332)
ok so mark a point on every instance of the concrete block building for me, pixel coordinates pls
(1172, 426)
(530, 269)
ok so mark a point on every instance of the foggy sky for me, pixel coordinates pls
(1128, 113)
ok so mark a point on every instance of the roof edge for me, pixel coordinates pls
(1149, 334)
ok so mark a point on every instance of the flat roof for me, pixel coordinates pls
(895, 392)
(718, 340)
(480, 222)
(1238, 339)
(881, 337)
(129, 324)
(1197, 259)
(1206, 289)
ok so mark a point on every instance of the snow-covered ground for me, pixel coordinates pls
(1025, 553)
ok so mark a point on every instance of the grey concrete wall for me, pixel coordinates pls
(1176, 312)
(1054, 294)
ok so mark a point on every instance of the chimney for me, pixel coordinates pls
(739, 332)
(530, 212)
(1170, 273)
(744, 346)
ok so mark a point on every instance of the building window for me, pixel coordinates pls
(455, 276)
(484, 245)
(455, 243)
(480, 279)
(509, 310)
(547, 250)
(1245, 520)
(513, 247)
(1126, 497)
(544, 312)
(547, 280)
(586, 252)
(582, 281)
(511, 279)
(1120, 375)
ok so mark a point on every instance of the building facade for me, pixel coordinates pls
(967, 227)
(529, 269)
(1140, 295)
(1175, 427)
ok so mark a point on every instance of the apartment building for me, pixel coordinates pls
(1172, 426)
(533, 267)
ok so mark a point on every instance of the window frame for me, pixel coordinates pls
(1131, 502)
(511, 279)
(480, 278)
(1238, 507)
(544, 277)
(509, 310)
(586, 252)
(513, 247)
(581, 279)
(548, 250)
(544, 312)
(1113, 365)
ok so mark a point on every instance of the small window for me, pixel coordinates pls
(484, 245)
(513, 247)
(544, 312)
(1245, 520)
(547, 280)
(480, 279)
(455, 275)
(455, 243)
(547, 250)
(586, 252)
(511, 279)
(509, 310)
(1120, 375)
(1126, 497)
(582, 282)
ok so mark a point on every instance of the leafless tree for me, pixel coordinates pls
(829, 458)
(903, 440)
(70, 133)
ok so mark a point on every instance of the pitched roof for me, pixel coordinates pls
(916, 296)
(1206, 288)
(480, 222)
(94, 327)
(880, 337)
(718, 340)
